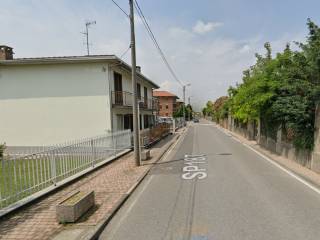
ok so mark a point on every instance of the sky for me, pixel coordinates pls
(208, 43)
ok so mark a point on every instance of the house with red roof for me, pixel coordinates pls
(167, 103)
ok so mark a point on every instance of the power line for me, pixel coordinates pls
(120, 8)
(155, 42)
(125, 52)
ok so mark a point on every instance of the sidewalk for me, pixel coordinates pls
(111, 183)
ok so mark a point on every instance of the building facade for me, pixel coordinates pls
(46, 101)
(167, 103)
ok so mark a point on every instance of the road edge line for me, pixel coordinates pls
(97, 230)
(273, 162)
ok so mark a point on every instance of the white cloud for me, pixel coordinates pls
(166, 85)
(201, 27)
(245, 48)
(211, 65)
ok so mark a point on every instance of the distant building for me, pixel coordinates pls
(50, 100)
(167, 103)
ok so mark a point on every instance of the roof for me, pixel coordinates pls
(158, 93)
(5, 46)
(75, 59)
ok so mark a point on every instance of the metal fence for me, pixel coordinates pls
(121, 98)
(179, 122)
(25, 174)
(153, 134)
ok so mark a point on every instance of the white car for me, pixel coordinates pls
(165, 120)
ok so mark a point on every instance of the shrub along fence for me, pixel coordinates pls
(278, 140)
(23, 175)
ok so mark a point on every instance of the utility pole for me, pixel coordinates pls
(190, 109)
(88, 23)
(184, 103)
(184, 100)
(136, 128)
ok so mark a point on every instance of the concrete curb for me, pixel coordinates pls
(96, 231)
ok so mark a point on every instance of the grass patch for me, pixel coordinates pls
(22, 177)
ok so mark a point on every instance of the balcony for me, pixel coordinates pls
(124, 99)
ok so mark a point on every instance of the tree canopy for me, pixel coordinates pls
(188, 111)
(282, 90)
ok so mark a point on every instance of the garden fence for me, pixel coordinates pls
(22, 175)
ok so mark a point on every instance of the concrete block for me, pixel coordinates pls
(315, 162)
(73, 207)
(145, 154)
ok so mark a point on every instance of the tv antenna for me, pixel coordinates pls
(86, 33)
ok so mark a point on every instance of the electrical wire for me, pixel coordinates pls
(125, 52)
(121, 8)
(155, 42)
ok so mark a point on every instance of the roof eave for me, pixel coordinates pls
(76, 59)
(129, 68)
(52, 60)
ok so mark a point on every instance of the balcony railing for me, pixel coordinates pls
(124, 99)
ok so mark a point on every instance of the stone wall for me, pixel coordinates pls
(252, 131)
(315, 163)
(224, 123)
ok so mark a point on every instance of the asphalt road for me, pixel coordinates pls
(230, 193)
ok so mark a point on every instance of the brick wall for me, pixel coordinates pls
(167, 106)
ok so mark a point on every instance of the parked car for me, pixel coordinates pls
(195, 120)
(168, 120)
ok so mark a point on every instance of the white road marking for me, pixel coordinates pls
(306, 183)
(173, 146)
(192, 168)
(144, 187)
(285, 170)
(128, 210)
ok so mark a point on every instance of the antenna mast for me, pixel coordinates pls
(88, 23)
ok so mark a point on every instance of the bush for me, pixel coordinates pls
(282, 90)
(2, 148)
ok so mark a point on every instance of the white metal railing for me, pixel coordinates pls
(179, 122)
(23, 175)
(121, 98)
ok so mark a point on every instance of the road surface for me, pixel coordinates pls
(224, 191)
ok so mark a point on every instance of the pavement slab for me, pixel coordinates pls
(110, 183)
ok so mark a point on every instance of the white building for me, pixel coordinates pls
(51, 100)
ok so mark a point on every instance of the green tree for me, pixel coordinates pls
(2, 149)
(179, 112)
(221, 108)
(208, 109)
(282, 91)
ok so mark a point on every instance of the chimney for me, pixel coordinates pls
(138, 69)
(6, 52)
